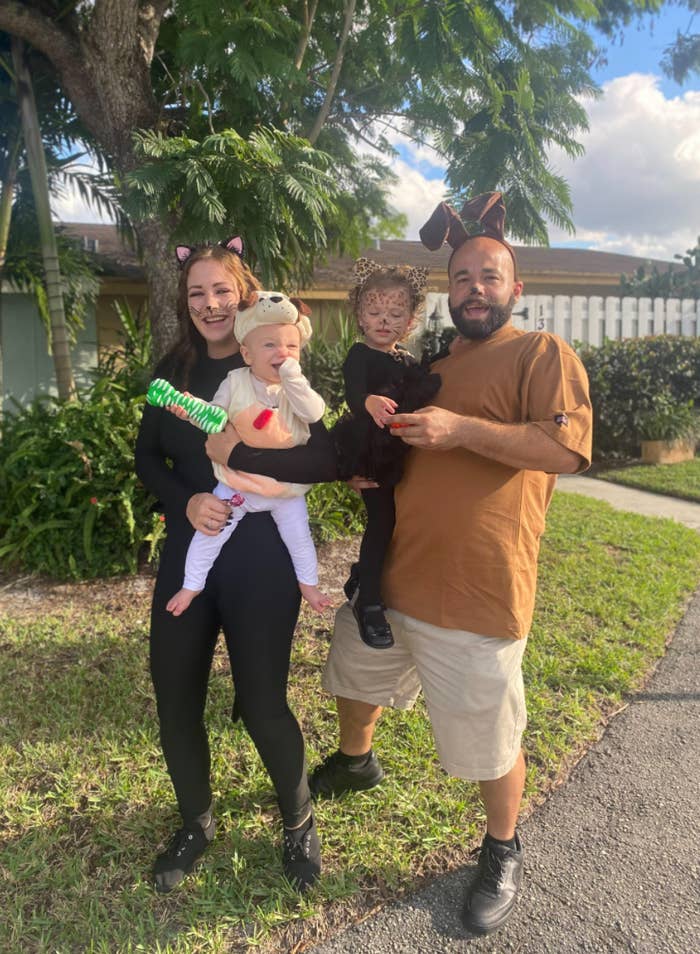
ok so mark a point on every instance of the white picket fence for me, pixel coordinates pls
(592, 320)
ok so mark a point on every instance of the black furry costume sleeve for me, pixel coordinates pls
(362, 447)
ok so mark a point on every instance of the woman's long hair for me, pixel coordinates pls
(190, 345)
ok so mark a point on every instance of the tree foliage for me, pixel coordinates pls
(674, 282)
(682, 57)
(491, 85)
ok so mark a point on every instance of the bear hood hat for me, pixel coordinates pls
(271, 308)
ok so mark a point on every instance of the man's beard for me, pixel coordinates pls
(478, 328)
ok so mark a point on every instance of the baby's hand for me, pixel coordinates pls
(380, 408)
(290, 367)
(177, 410)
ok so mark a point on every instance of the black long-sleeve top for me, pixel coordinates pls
(163, 437)
(369, 371)
(362, 447)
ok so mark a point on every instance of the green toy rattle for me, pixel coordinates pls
(208, 417)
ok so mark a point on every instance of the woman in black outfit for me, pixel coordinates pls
(251, 592)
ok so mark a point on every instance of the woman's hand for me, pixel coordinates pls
(380, 408)
(207, 513)
(219, 446)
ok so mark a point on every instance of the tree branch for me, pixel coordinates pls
(41, 32)
(335, 75)
(305, 33)
(58, 44)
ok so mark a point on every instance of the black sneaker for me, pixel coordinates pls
(186, 847)
(334, 777)
(301, 856)
(490, 899)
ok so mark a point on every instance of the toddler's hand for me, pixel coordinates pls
(380, 408)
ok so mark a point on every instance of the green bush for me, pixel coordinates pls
(72, 506)
(322, 361)
(638, 381)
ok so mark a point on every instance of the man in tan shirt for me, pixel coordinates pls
(512, 413)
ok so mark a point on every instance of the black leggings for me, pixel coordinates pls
(251, 594)
(381, 516)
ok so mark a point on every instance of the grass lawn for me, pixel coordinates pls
(677, 480)
(85, 801)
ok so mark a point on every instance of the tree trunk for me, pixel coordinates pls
(40, 187)
(103, 59)
(162, 277)
(9, 180)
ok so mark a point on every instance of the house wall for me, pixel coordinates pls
(25, 365)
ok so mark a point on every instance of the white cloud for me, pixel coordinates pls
(415, 196)
(637, 188)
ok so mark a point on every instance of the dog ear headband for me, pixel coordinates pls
(416, 276)
(233, 244)
(447, 225)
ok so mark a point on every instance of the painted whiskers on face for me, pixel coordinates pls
(207, 313)
(212, 299)
(385, 316)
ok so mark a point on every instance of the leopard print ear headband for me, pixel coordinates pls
(415, 275)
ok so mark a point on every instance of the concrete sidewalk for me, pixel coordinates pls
(638, 501)
(611, 860)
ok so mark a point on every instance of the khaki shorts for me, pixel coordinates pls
(472, 684)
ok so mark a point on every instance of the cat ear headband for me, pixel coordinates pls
(446, 225)
(234, 244)
(416, 276)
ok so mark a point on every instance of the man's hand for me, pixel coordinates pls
(219, 446)
(430, 427)
(380, 408)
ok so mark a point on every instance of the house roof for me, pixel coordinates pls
(113, 253)
(117, 259)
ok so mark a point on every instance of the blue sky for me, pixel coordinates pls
(641, 48)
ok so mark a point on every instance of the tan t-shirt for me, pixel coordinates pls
(464, 551)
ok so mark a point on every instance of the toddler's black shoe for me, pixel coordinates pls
(491, 898)
(301, 855)
(186, 847)
(335, 776)
(374, 627)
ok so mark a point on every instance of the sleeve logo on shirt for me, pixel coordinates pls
(561, 420)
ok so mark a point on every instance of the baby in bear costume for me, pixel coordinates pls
(271, 404)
